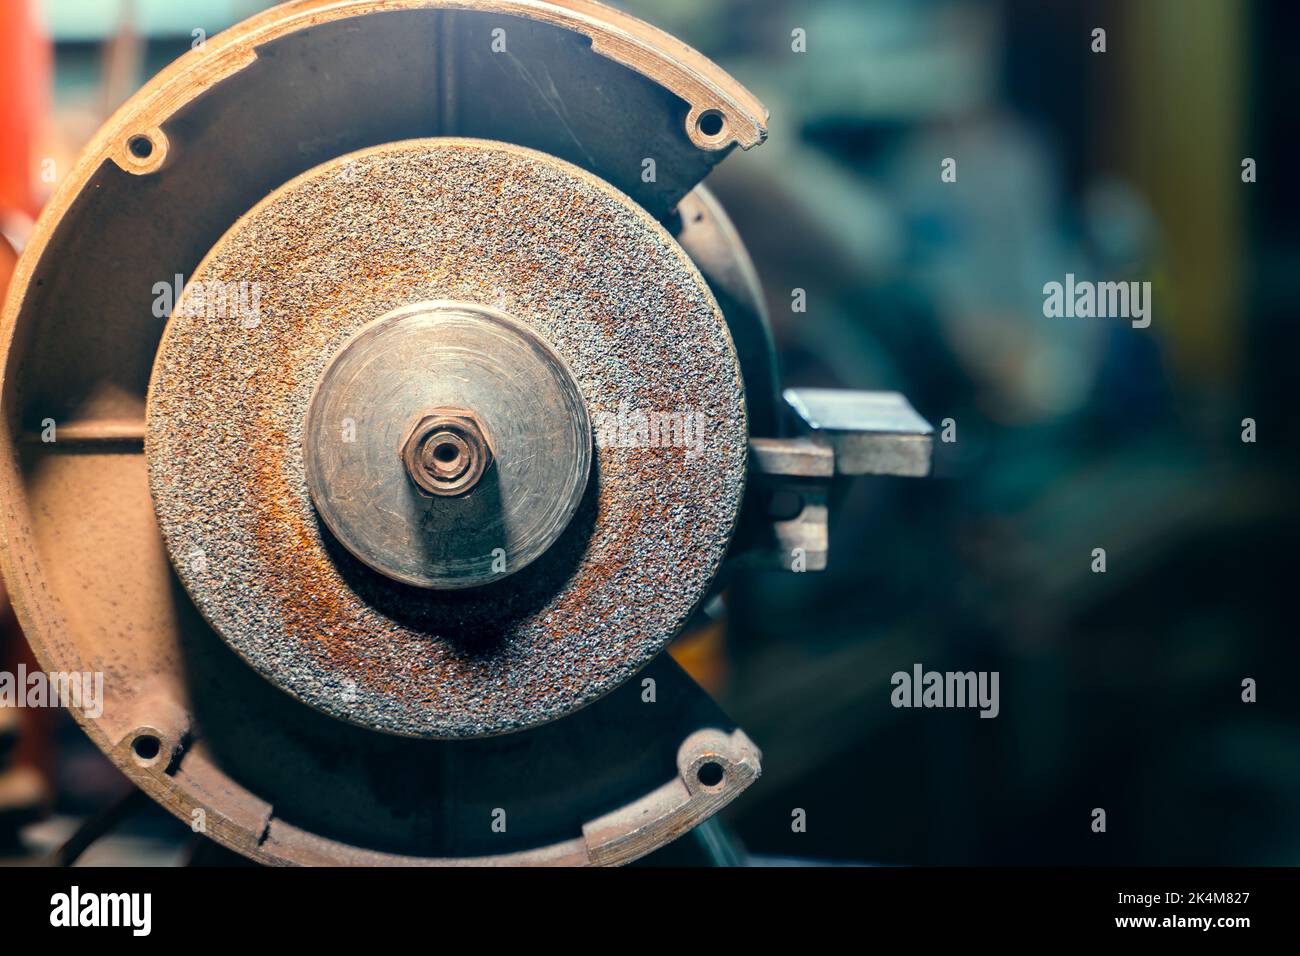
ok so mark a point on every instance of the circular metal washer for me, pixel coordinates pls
(376, 399)
(587, 270)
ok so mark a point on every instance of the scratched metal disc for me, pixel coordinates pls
(371, 403)
(596, 279)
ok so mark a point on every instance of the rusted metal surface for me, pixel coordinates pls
(185, 717)
(592, 275)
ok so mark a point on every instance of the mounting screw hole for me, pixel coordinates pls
(141, 147)
(711, 123)
(710, 773)
(146, 747)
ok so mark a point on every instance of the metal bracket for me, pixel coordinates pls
(871, 433)
(845, 432)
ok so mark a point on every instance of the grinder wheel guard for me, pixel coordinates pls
(382, 394)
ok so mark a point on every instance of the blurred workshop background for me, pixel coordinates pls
(1120, 690)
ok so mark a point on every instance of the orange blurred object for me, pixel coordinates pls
(26, 62)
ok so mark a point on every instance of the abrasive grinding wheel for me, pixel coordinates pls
(503, 285)
(382, 393)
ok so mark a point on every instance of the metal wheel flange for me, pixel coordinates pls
(446, 445)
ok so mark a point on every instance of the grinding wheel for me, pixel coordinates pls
(370, 235)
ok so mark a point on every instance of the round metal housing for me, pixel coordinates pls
(306, 707)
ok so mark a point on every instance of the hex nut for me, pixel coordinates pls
(446, 452)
